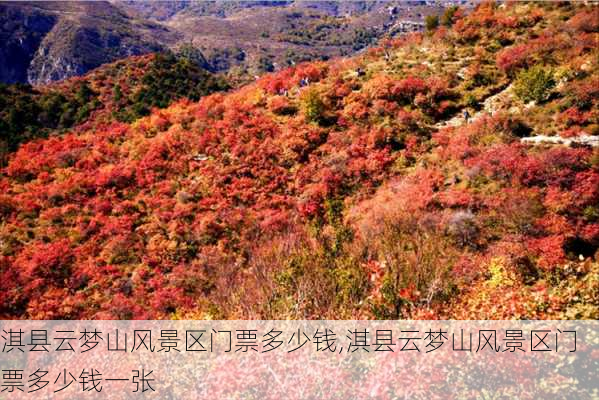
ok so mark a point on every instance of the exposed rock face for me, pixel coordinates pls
(43, 42)
(70, 50)
(21, 33)
(582, 140)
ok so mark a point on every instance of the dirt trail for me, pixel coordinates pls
(493, 103)
(490, 105)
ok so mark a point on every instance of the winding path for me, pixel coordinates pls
(494, 102)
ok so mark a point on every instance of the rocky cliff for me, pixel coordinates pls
(43, 42)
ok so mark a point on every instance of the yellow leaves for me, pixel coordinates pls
(156, 243)
(141, 125)
(500, 276)
(172, 245)
(121, 249)
(256, 97)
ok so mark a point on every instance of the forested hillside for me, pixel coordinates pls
(428, 177)
(124, 91)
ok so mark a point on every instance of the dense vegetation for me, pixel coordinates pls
(167, 78)
(335, 189)
(328, 31)
(26, 113)
(125, 90)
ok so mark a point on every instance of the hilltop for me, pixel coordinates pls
(353, 188)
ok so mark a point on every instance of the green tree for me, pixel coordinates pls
(84, 94)
(431, 22)
(447, 17)
(265, 64)
(313, 106)
(117, 93)
(187, 51)
(534, 84)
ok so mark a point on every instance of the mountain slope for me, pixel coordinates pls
(122, 91)
(331, 189)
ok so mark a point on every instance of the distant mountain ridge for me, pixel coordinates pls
(43, 42)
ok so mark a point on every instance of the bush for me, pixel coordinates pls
(534, 84)
(431, 22)
(511, 59)
(280, 105)
(313, 106)
(448, 15)
(463, 229)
